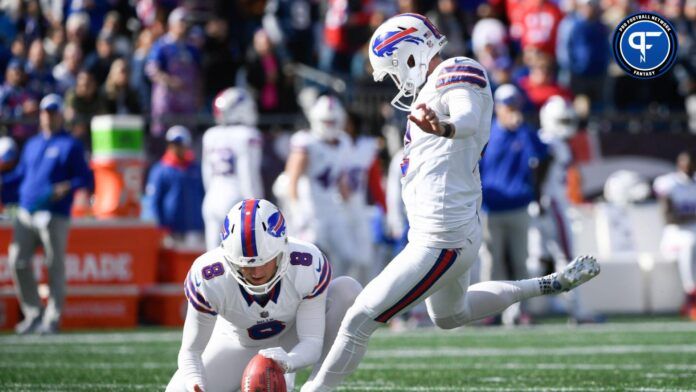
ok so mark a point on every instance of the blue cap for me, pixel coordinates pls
(508, 95)
(179, 134)
(52, 103)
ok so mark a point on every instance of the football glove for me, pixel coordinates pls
(279, 356)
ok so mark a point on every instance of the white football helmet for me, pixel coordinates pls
(235, 106)
(253, 235)
(327, 118)
(402, 48)
(558, 118)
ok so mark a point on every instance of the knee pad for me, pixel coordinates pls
(344, 289)
(449, 322)
(358, 325)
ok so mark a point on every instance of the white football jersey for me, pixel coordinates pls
(211, 288)
(361, 153)
(231, 165)
(680, 190)
(441, 183)
(325, 163)
(555, 185)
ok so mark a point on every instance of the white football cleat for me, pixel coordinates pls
(577, 272)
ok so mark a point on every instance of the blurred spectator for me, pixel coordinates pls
(346, 30)
(290, 23)
(221, 59)
(17, 103)
(512, 170)
(138, 79)
(174, 68)
(65, 72)
(489, 40)
(31, 24)
(541, 84)
(81, 104)
(54, 44)
(98, 63)
(175, 188)
(583, 51)
(52, 167)
(18, 48)
(119, 96)
(113, 27)
(77, 31)
(8, 29)
(535, 24)
(274, 90)
(447, 18)
(40, 78)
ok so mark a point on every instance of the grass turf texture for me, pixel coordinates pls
(626, 355)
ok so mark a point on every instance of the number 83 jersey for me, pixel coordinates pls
(211, 288)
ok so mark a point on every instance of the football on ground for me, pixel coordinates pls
(263, 375)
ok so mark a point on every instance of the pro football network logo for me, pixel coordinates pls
(645, 45)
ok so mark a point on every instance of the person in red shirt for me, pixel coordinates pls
(541, 84)
(535, 24)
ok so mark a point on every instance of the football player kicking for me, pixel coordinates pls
(449, 125)
(273, 295)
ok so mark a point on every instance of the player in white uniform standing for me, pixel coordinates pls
(258, 292)
(677, 193)
(360, 159)
(314, 192)
(231, 162)
(451, 108)
(550, 238)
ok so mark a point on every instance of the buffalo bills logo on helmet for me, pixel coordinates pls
(276, 225)
(225, 232)
(386, 43)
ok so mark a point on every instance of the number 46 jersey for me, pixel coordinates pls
(211, 288)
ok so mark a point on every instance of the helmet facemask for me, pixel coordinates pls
(402, 47)
(250, 262)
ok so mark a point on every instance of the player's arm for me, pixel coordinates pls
(465, 109)
(294, 169)
(310, 333)
(206, 169)
(198, 328)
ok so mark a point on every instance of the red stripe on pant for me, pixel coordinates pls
(442, 264)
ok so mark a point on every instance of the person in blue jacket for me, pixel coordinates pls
(512, 170)
(175, 188)
(51, 168)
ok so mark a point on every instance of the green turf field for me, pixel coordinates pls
(623, 356)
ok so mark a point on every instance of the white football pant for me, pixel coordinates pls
(417, 273)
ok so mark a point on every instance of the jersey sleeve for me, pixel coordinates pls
(321, 269)
(199, 295)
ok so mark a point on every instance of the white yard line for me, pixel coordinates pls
(530, 351)
(379, 366)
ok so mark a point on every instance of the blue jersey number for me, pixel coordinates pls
(301, 258)
(266, 330)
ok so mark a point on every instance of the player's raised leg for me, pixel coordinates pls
(458, 304)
